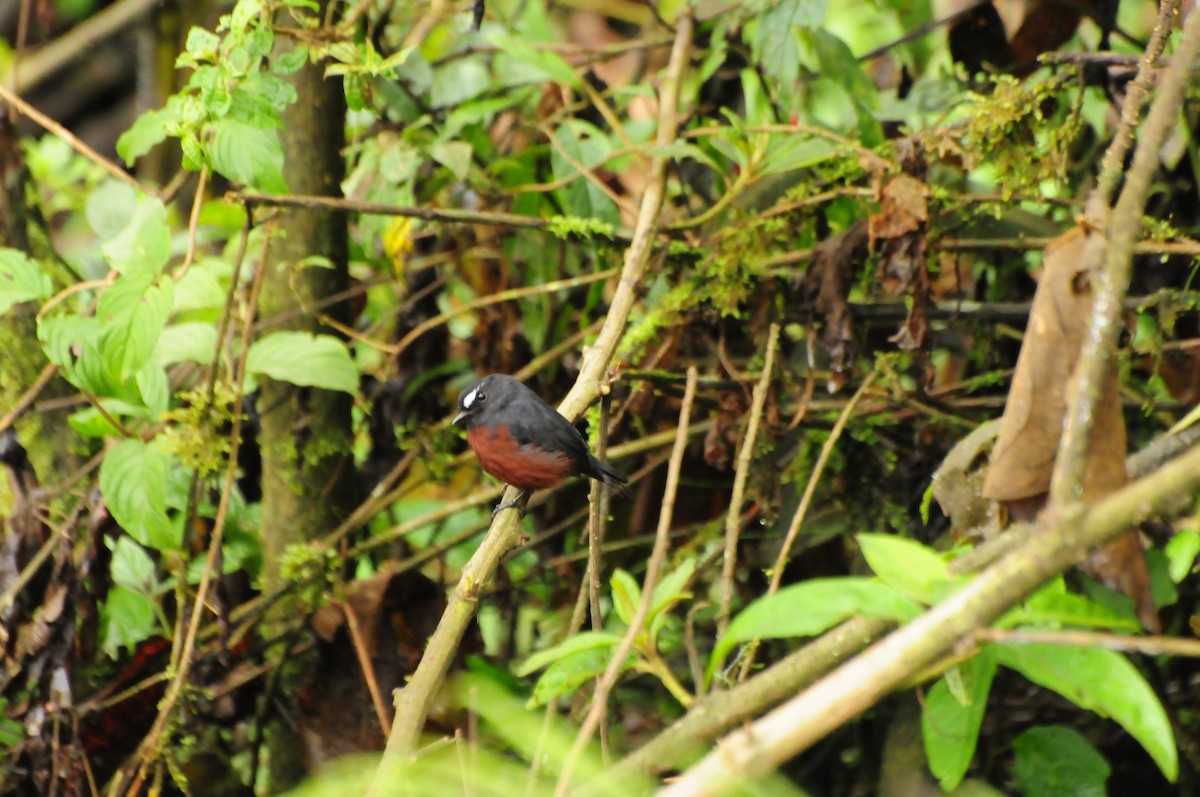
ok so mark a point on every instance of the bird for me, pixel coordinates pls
(522, 440)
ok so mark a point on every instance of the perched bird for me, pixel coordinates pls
(522, 440)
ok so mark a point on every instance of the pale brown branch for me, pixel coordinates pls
(733, 520)
(862, 682)
(658, 554)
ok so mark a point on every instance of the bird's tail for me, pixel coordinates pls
(608, 474)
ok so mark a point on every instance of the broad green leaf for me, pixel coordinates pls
(133, 312)
(787, 153)
(457, 81)
(21, 280)
(586, 146)
(88, 422)
(133, 481)
(304, 359)
(192, 341)
(132, 567)
(126, 618)
(249, 155)
(586, 640)
(952, 715)
(1181, 551)
(454, 155)
(776, 41)
(1055, 761)
(567, 673)
(152, 383)
(839, 64)
(811, 608)
(110, 207)
(72, 342)
(1102, 681)
(150, 129)
(518, 62)
(626, 595)
(1053, 606)
(906, 565)
(143, 246)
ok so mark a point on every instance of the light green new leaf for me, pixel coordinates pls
(21, 280)
(518, 62)
(132, 567)
(127, 618)
(1181, 551)
(192, 341)
(454, 155)
(952, 715)
(567, 673)
(133, 312)
(149, 130)
(249, 155)
(143, 245)
(586, 640)
(811, 608)
(626, 595)
(304, 359)
(906, 565)
(133, 481)
(1102, 681)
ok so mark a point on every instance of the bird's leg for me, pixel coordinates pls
(517, 503)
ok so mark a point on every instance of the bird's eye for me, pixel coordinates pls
(480, 396)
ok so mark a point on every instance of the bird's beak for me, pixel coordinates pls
(462, 415)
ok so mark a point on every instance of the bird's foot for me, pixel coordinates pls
(517, 503)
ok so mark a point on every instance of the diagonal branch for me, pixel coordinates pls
(413, 701)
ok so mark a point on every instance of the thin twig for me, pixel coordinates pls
(193, 224)
(810, 490)
(72, 140)
(29, 396)
(733, 518)
(658, 554)
(368, 668)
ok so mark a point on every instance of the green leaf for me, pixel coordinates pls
(150, 129)
(193, 342)
(202, 42)
(567, 673)
(626, 595)
(249, 155)
(585, 145)
(1055, 761)
(152, 383)
(457, 81)
(788, 153)
(21, 280)
(127, 618)
(144, 244)
(518, 62)
(133, 568)
(1181, 551)
(670, 590)
(133, 312)
(586, 640)
(304, 359)
(1102, 681)
(1053, 606)
(454, 155)
(776, 41)
(290, 60)
(906, 565)
(813, 607)
(952, 715)
(110, 207)
(133, 481)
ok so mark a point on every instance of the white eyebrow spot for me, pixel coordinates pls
(469, 399)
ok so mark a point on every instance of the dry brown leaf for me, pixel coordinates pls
(1023, 458)
(898, 237)
(827, 286)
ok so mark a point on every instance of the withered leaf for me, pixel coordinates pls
(827, 286)
(1023, 458)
